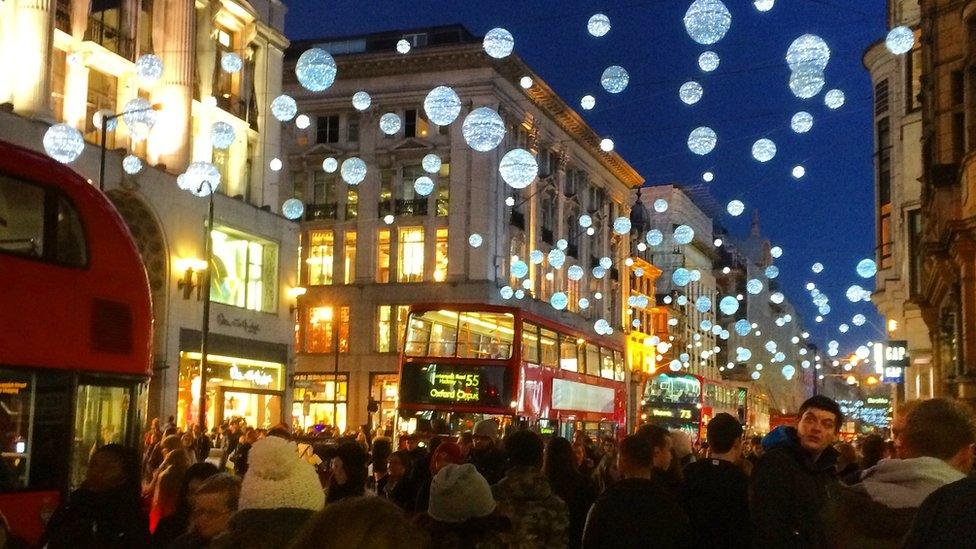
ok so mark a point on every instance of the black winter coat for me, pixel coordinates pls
(99, 519)
(789, 491)
(947, 518)
(636, 512)
(715, 495)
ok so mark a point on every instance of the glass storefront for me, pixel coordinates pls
(383, 390)
(236, 387)
(316, 402)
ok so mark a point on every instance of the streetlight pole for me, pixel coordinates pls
(104, 127)
(205, 329)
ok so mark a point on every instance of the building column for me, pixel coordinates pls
(965, 259)
(31, 87)
(169, 142)
(267, 86)
(76, 93)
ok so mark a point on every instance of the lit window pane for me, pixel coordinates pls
(244, 270)
(349, 258)
(321, 253)
(440, 258)
(410, 255)
(383, 256)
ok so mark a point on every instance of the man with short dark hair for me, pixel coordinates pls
(937, 447)
(213, 503)
(637, 511)
(794, 478)
(715, 494)
(661, 443)
(539, 518)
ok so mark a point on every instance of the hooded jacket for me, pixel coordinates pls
(539, 518)
(878, 511)
(788, 492)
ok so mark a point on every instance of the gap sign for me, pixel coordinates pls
(895, 361)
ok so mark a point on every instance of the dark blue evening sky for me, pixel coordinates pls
(828, 216)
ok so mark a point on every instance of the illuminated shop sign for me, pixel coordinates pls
(257, 377)
(895, 361)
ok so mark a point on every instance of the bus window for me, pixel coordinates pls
(567, 354)
(549, 353)
(606, 363)
(432, 333)
(16, 414)
(486, 335)
(21, 218)
(530, 343)
(592, 360)
(101, 417)
(619, 370)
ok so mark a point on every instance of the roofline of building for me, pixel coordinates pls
(512, 68)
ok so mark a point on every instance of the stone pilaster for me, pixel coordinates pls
(170, 141)
(31, 89)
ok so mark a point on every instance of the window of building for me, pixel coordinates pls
(102, 94)
(410, 254)
(352, 130)
(40, 224)
(440, 256)
(321, 257)
(324, 188)
(444, 190)
(319, 336)
(317, 402)
(327, 129)
(915, 252)
(383, 256)
(352, 203)
(881, 98)
(415, 124)
(299, 180)
(384, 328)
(106, 27)
(884, 192)
(245, 270)
(349, 258)
(408, 202)
(387, 179)
(530, 343)
(548, 218)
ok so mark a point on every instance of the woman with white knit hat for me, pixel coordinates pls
(462, 511)
(279, 493)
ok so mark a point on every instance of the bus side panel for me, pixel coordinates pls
(26, 512)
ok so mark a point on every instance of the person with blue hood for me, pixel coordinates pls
(795, 478)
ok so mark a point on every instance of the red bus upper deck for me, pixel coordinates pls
(462, 362)
(75, 333)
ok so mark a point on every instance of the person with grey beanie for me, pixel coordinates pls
(485, 454)
(462, 511)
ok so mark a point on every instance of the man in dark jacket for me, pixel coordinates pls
(793, 480)
(715, 494)
(637, 511)
(947, 518)
(485, 455)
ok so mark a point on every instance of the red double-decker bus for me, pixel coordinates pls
(464, 362)
(75, 334)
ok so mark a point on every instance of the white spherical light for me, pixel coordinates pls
(660, 205)
(316, 70)
(798, 172)
(559, 301)
(518, 168)
(575, 272)
(728, 305)
(708, 177)
(139, 117)
(585, 221)
(201, 178)
(475, 240)
(654, 237)
(353, 170)
(499, 43)
(149, 68)
(442, 105)
(615, 79)
(526, 82)
(423, 185)
(763, 5)
(63, 143)
(403, 46)
(683, 234)
(708, 61)
(222, 135)
(231, 62)
(690, 92)
(131, 164)
(764, 150)
(735, 208)
(390, 123)
(556, 258)
(431, 163)
(483, 129)
(807, 82)
(587, 102)
(834, 99)
(303, 121)
(275, 164)
(102, 114)
(330, 165)
(801, 122)
(621, 225)
(702, 140)
(707, 21)
(598, 25)
(900, 40)
(361, 100)
(284, 108)
(293, 208)
(867, 268)
(808, 51)
(606, 144)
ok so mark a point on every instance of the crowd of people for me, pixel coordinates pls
(798, 486)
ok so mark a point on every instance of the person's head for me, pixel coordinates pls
(848, 454)
(399, 463)
(898, 426)
(485, 433)
(154, 424)
(680, 444)
(608, 445)
(459, 493)
(111, 467)
(660, 440)
(943, 429)
(277, 477)
(466, 441)
(755, 445)
(368, 522)
(724, 435)
(188, 440)
(196, 430)
(170, 443)
(635, 457)
(446, 452)
(412, 442)
(560, 462)
(524, 449)
(818, 423)
(872, 450)
(579, 453)
(349, 464)
(214, 501)
(380, 454)
(250, 435)
(194, 477)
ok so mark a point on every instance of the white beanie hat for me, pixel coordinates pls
(458, 493)
(486, 428)
(277, 478)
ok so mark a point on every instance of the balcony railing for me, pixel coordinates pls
(320, 211)
(417, 207)
(110, 38)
